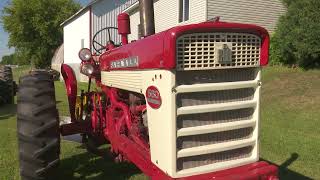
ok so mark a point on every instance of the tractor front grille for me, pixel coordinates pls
(216, 76)
(216, 117)
(213, 138)
(201, 160)
(192, 120)
(223, 96)
(200, 51)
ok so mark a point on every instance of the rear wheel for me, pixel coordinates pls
(7, 86)
(38, 126)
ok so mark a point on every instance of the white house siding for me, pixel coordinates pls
(104, 14)
(261, 12)
(134, 22)
(76, 33)
(167, 15)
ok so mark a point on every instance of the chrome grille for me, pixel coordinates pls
(192, 120)
(216, 76)
(189, 126)
(196, 161)
(192, 99)
(213, 138)
(200, 51)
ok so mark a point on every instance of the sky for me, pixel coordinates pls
(4, 50)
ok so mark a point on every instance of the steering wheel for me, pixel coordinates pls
(97, 46)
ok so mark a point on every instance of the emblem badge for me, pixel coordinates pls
(153, 97)
(224, 53)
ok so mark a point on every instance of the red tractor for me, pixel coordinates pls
(180, 104)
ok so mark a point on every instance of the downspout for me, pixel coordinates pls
(147, 17)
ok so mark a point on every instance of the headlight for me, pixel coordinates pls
(85, 54)
(87, 69)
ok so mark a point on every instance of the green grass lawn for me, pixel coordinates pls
(289, 132)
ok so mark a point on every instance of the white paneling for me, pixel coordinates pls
(73, 33)
(260, 12)
(162, 127)
(104, 14)
(167, 15)
(134, 22)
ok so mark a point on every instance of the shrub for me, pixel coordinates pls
(297, 38)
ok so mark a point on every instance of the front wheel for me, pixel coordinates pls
(38, 126)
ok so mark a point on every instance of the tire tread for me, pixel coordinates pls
(38, 128)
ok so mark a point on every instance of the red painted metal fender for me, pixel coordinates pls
(256, 171)
(70, 82)
(159, 51)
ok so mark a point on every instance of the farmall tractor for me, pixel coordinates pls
(180, 104)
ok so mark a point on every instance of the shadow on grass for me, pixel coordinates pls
(8, 111)
(287, 174)
(90, 167)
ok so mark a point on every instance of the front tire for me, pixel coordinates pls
(38, 126)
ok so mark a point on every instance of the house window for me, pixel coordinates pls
(184, 10)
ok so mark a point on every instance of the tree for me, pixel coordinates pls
(8, 60)
(34, 27)
(17, 58)
(297, 38)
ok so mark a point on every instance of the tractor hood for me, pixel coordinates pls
(159, 51)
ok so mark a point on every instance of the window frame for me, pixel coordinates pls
(184, 10)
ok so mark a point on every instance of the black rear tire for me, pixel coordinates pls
(38, 127)
(7, 85)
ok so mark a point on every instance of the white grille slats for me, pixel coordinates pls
(207, 159)
(216, 117)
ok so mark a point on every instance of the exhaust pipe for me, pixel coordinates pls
(146, 17)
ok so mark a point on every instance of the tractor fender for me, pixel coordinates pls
(70, 82)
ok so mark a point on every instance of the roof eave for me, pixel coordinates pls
(131, 8)
(79, 12)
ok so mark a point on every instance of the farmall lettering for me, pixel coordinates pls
(203, 125)
(125, 63)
